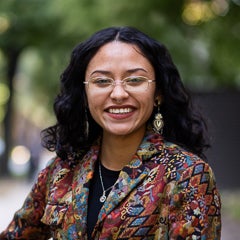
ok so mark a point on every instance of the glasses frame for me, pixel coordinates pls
(122, 82)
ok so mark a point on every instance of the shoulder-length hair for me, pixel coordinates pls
(76, 130)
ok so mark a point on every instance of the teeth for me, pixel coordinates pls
(120, 110)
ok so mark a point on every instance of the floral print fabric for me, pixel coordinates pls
(165, 192)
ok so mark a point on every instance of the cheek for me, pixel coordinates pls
(149, 107)
(150, 99)
(94, 104)
(149, 110)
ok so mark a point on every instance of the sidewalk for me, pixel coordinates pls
(230, 228)
(13, 193)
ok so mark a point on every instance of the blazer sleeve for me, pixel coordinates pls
(194, 211)
(26, 222)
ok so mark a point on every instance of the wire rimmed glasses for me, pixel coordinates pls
(130, 84)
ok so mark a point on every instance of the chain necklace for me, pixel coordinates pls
(103, 198)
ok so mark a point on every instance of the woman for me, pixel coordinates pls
(130, 150)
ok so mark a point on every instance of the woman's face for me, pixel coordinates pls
(119, 111)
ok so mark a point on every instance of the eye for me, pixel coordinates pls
(102, 82)
(135, 81)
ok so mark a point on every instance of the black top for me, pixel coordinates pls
(109, 177)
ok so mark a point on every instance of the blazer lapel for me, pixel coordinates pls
(128, 179)
(82, 176)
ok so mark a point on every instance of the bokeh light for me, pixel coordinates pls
(20, 155)
(19, 163)
(4, 24)
(197, 12)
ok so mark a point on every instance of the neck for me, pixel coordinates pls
(117, 151)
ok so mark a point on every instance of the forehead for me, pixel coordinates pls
(118, 55)
(118, 47)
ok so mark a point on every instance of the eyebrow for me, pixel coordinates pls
(128, 71)
(100, 71)
(136, 69)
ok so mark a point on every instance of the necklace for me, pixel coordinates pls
(103, 198)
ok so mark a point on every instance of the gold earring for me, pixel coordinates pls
(158, 121)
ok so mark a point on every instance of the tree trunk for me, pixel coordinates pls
(12, 56)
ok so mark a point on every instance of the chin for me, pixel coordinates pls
(123, 131)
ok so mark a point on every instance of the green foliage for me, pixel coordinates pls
(231, 204)
(30, 22)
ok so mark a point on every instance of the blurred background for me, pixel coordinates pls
(36, 39)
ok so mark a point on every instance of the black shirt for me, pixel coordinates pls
(109, 177)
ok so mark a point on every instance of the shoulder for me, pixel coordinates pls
(56, 163)
(176, 161)
(187, 175)
(55, 171)
(180, 163)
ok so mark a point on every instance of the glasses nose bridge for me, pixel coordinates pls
(121, 83)
(118, 90)
(118, 82)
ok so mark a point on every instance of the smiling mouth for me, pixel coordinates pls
(120, 110)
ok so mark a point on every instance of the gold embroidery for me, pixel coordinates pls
(126, 209)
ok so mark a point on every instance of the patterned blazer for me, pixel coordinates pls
(165, 192)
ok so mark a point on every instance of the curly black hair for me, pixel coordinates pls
(76, 130)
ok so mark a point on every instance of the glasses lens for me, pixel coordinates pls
(100, 83)
(136, 84)
(131, 84)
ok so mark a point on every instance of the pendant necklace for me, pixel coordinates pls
(103, 198)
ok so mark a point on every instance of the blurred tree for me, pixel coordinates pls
(201, 34)
(22, 24)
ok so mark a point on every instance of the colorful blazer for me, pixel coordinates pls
(163, 193)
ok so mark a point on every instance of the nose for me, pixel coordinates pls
(118, 92)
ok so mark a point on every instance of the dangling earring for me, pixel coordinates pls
(158, 121)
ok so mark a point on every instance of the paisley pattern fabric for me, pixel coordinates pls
(164, 193)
